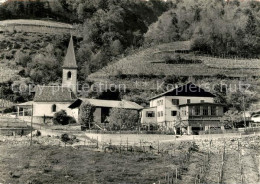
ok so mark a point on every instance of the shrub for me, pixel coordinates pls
(194, 147)
(123, 119)
(61, 118)
(65, 138)
(38, 133)
(68, 139)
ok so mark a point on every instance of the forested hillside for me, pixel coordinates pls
(109, 28)
(113, 29)
(216, 27)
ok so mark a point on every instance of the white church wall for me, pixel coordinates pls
(45, 108)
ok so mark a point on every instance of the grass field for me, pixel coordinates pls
(35, 23)
(55, 164)
(229, 160)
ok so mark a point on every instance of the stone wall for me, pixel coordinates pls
(14, 131)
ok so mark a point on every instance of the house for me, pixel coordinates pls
(50, 99)
(102, 107)
(188, 108)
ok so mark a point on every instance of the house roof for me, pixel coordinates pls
(25, 104)
(107, 103)
(70, 59)
(189, 89)
(54, 94)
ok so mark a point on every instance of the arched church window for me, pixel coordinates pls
(53, 108)
(69, 75)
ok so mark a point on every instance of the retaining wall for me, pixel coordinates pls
(131, 138)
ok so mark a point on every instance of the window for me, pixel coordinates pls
(53, 108)
(197, 110)
(159, 102)
(190, 110)
(188, 101)
(175, 101)
(161, 113)
(174, 113)
(69, 75)
(205, 110)
(213, 110)
(202, 101)
(150, 114)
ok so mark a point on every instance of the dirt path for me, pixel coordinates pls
(212, 174)
(193, 169)
(250, 171)
(231, 170)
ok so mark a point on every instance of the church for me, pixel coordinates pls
(51, 99)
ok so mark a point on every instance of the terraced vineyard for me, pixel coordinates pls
(150, 61)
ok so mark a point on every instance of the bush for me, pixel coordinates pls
(123, 119)
(61, 118)
(38, 133)
(194, 147)
(68, 139)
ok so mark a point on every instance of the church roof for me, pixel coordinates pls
(107, 103)
(54, 94)
(189, 89)
(70, 59)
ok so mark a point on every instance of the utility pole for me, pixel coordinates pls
(244, 111)
(31, 125)
(243, 101)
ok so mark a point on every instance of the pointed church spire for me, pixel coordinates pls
(70, 59)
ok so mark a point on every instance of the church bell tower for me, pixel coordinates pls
(69, 69)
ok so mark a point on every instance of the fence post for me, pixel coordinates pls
(176, 176)
(169, 178)
(120, 146)
(158, 147)
(97, 142)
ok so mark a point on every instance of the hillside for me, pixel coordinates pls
(18, 50)
(152, 61)
(38, 26)
(156, 69)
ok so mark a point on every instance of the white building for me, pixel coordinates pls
(50, 99)
(189, 108)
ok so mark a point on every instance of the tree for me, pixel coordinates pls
(116, 48)
(123, 119)
(86, 115)
(164, 30)
(231, 117)
(60, 118)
